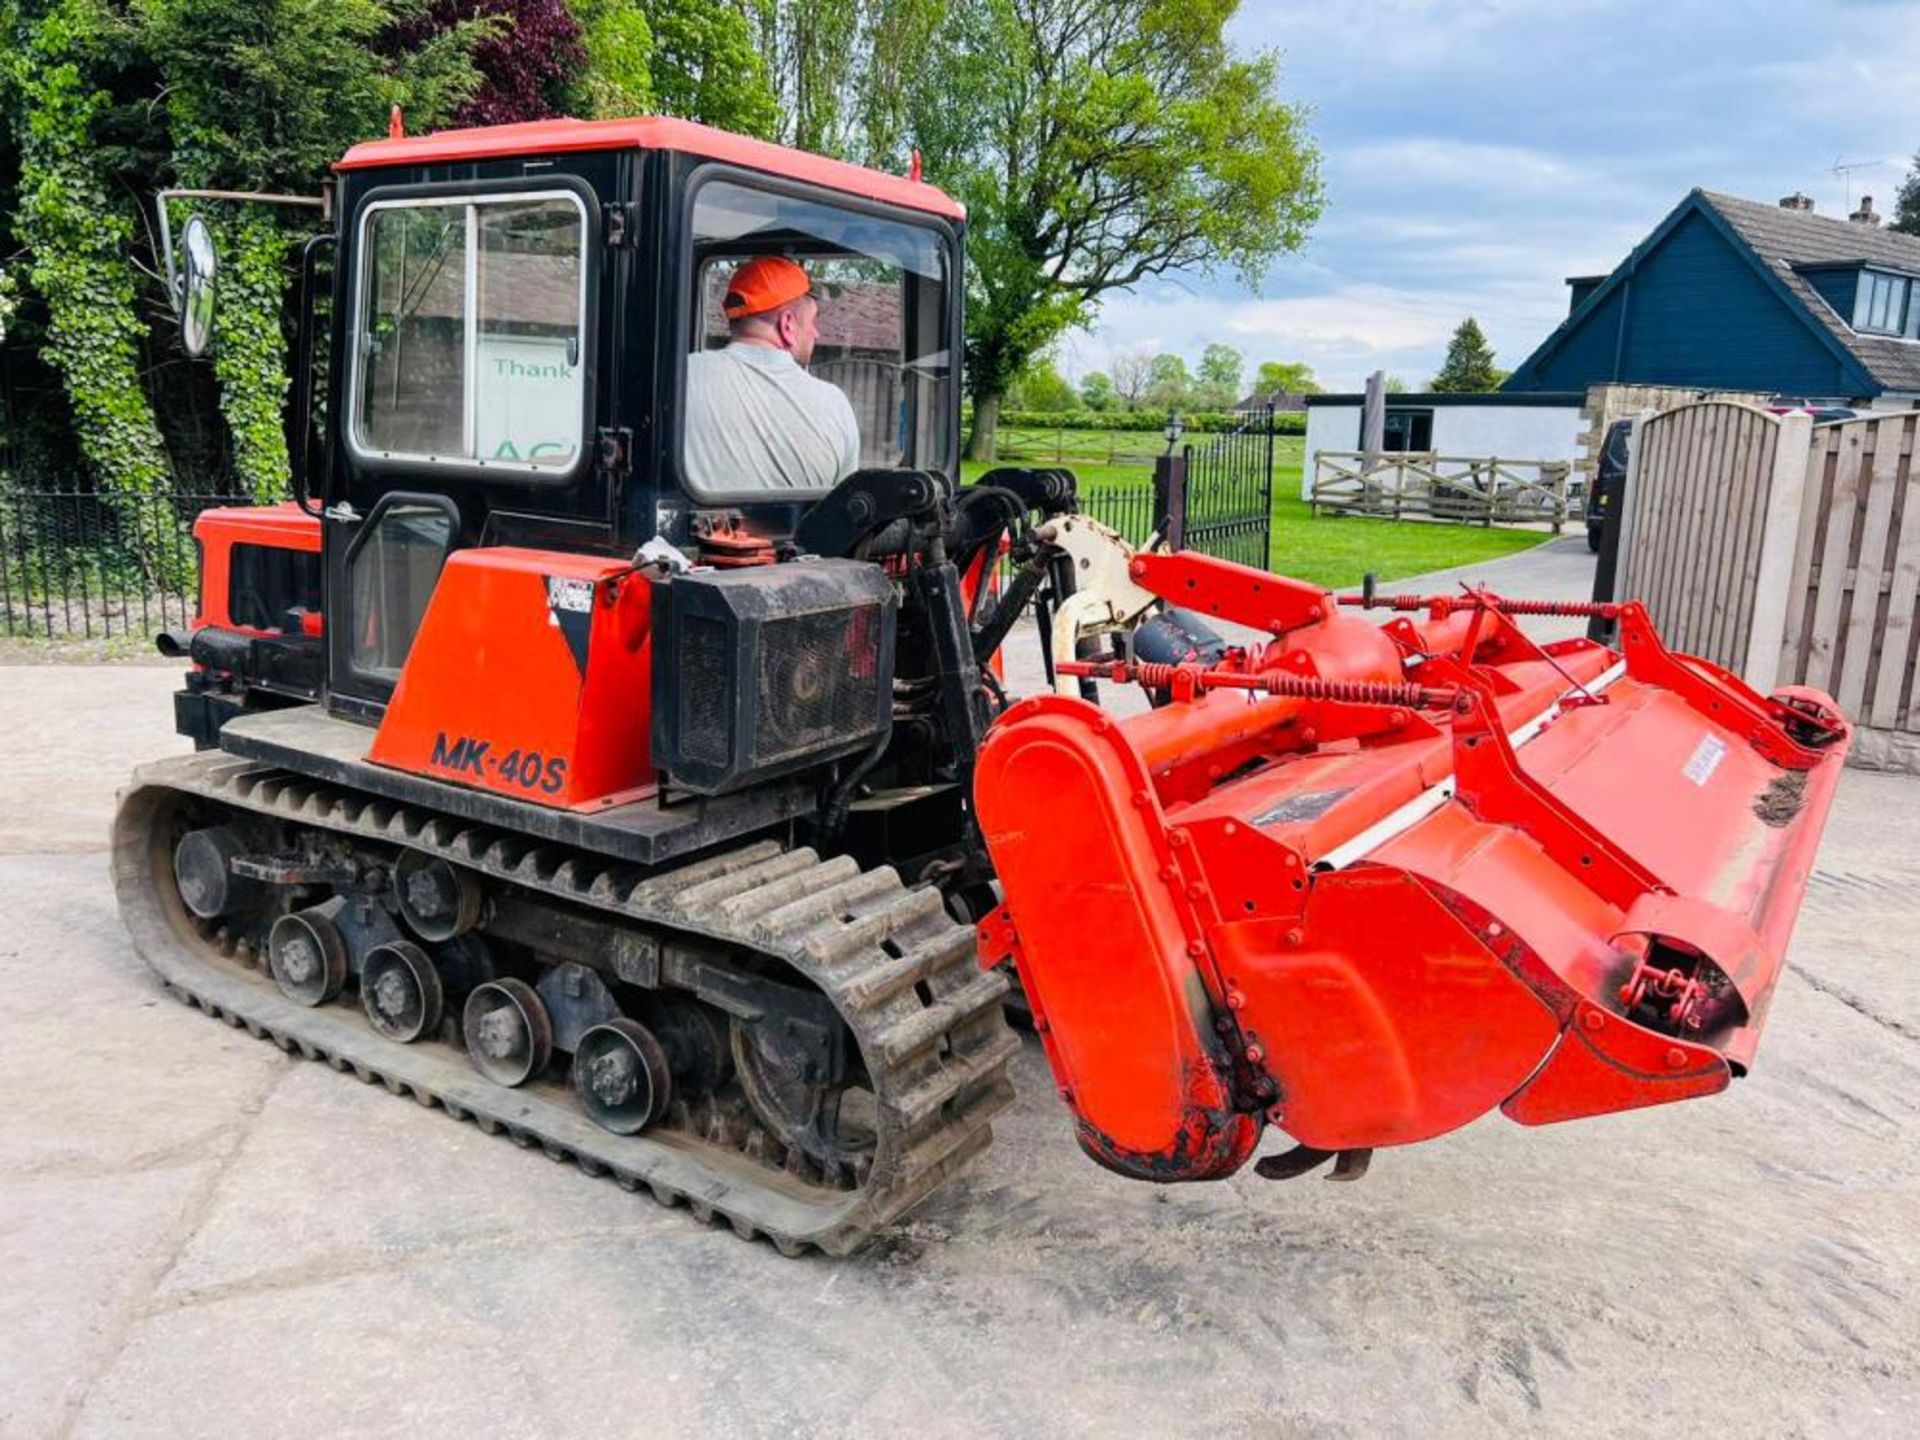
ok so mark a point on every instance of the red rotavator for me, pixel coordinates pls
(1368, 883)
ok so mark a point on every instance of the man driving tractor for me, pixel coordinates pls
(755, 420)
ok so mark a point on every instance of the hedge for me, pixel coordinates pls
(1289, 422)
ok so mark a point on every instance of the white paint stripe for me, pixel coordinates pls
(1432, 798)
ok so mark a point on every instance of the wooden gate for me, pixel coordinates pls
(1695, 526)
(1787, 552)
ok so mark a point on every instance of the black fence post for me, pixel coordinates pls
(1170, 498)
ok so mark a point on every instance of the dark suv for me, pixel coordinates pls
(1608, 476)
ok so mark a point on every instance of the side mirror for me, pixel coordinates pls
(200, 265)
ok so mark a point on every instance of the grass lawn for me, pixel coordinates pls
(1330, 550)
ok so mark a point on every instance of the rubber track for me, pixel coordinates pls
(901, 972)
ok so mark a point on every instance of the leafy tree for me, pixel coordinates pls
(615, 78)
(263, 97)
(1097, 143)
(843, 71)
(1220, 370)
(1276, 378)
(105, 102)
(1132, 372)
(1468, 367)
(64, 60)
(266, 95)
(9, 301)
(707, 64)
(1170, 385)
(526, 56)
(1397, 385)
(1906, 204)
(1041, 386)
(1097, 392)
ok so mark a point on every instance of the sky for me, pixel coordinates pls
(1475, 153)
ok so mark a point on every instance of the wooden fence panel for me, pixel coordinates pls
(1703, 479)
(1856, 579)
(1898, 636)
(1787, 552)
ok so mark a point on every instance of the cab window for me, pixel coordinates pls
(266, 582)
(468, 331)
(391, 572)
(882, 288)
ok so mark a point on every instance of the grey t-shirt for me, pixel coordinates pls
(757, 421)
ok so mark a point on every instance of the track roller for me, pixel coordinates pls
(202, 869)
(307, 956)
(438, 901)
(621, 1075)
(401, 991)
(509, 1034)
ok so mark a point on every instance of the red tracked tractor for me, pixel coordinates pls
(684, 829)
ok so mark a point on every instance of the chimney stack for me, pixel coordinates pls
(1864, 215)
(1797, 201)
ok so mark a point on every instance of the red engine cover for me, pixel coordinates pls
(529, 678)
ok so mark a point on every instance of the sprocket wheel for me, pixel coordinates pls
(830, 1122)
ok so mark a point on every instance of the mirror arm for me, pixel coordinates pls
(300, 436)
(176, 291)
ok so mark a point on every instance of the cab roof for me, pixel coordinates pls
(549, 137)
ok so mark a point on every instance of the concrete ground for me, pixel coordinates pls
(200, 1236)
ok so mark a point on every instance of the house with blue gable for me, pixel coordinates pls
(1731, 294)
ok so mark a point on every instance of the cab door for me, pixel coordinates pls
(466, 409)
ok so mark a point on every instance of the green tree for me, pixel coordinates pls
(707, 64)
(1097, 143)
(263, 97)
(1469, 367)
(104, 102)
(64, 60)
(1041, 386)
(842, 71)
(267, 94)
(1906, 204)
(1097, 392)
(1171, 384)
(1220, 369)
(616, 79)
(1277, 378)
(1397, 385)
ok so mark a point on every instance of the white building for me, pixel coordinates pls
(1499, 425)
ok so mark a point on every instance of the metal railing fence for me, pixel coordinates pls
(81, 564)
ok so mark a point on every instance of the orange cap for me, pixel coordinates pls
(764, 283)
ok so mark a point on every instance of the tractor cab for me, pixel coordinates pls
(514, 312)
(495, 348)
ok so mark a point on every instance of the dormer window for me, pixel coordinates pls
(1886, 304)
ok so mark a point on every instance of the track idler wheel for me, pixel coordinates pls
(203, 873)
(509, 1033)
(307, 956)
(621, 1075)
(401, 991)
(437, 900)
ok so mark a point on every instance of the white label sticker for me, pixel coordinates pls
(565, 594)
(1705, 759)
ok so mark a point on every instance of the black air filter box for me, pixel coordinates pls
(767, 670)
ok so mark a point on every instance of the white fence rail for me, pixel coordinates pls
(1480, 489)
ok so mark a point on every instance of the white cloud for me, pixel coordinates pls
(1344, 333)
